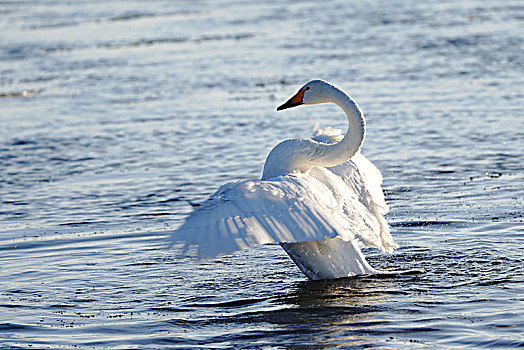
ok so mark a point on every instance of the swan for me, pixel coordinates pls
(320, 198)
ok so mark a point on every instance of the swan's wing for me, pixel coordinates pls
(364, 183)
(361, 183)
(291, 208)
(371, 176)
(372, 181)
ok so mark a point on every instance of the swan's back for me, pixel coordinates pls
(290, 156)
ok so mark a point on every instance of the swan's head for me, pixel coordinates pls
(314, 92)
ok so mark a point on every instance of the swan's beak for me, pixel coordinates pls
(294, 101)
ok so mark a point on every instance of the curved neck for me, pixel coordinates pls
(335, 154)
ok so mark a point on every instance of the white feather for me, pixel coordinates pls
(319, 211)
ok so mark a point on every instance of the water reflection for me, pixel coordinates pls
(340, 312)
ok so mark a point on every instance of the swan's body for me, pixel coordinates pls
(320, 198)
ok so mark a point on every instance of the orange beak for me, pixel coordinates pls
(294, 101)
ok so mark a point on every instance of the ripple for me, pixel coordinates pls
(231, 303)
(23, 93)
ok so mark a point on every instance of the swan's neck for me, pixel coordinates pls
(301, 155)
(338, 153)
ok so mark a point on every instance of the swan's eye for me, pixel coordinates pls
(307, 88)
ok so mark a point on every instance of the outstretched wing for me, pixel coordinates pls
(365, 180)
(290, 208)
(372, 180)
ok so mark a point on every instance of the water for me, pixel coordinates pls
(115, 115)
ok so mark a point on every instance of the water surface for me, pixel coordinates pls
(114, 116)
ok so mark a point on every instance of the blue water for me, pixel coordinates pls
(115, 115)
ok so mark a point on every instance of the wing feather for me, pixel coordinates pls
(366, 202)
(240, 215)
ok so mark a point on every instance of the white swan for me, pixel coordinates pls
(320, 198)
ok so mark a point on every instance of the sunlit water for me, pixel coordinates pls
(115, 115)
